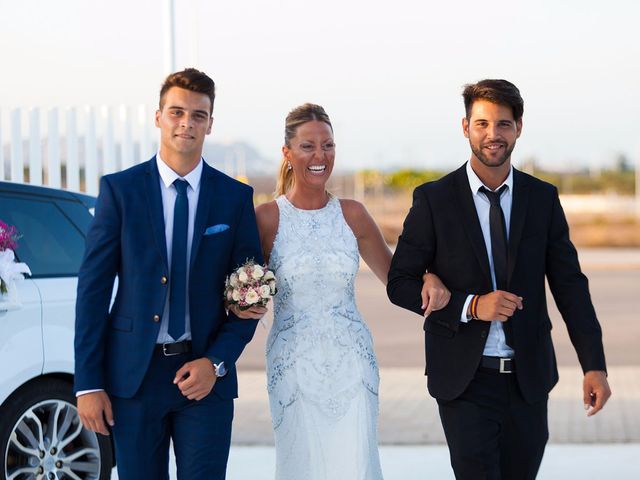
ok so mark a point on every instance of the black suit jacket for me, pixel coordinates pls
(442, 234)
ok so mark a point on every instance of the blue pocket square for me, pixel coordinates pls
(221, 227)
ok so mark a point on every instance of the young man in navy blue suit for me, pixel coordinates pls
(493, 234)
(159, 365)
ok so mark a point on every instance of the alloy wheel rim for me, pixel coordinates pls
(48, 442)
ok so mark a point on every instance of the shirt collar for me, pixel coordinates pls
(168, 176)
(475, 183)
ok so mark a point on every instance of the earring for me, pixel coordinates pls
(289, 167)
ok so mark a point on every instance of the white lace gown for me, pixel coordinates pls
(322, 373)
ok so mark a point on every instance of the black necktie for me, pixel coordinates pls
(178, 284)
(498, 230)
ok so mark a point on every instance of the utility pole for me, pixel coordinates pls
(169, 36)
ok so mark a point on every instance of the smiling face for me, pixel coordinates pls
(311, 153)
(492, 132)
(184, 120)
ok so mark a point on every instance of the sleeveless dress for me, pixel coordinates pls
(322, 374)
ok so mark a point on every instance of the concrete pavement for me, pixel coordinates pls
(561, 462)
(409, 416)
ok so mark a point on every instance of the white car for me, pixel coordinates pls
(41, 436)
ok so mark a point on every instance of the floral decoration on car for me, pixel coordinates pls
(10, 270)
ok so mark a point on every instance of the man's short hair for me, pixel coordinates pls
(500, 92)
(189, 79)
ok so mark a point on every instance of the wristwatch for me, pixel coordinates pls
(219, 368)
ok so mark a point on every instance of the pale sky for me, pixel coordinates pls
(388, 73)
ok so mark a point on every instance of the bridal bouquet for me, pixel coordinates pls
(251, 284)
(10, 270)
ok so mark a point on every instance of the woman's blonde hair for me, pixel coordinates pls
(298, 116)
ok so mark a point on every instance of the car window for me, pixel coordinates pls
(77, 212)
(49, 243)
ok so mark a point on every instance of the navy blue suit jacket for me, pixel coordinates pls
(114, 345)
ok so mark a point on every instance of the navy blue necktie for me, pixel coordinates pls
(178, 284)
(498, 230)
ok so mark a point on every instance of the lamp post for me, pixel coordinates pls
(169, 36)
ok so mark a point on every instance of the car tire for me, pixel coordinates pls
(41, 436)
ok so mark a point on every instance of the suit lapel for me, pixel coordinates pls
(520, 200)
(205, 200)
(464, 200)
(154, 202)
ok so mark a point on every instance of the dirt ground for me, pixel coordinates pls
(587, 230)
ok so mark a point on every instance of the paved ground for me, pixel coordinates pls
(409, 416)
(561, 462)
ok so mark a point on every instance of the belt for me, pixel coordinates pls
(170, 349)
(501, 365)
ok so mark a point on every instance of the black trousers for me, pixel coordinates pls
(492, 432)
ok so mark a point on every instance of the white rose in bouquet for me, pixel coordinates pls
(243, 277)
(235, 295)
(269, 276)
(265, 291)
(252, 297)
(257, 273)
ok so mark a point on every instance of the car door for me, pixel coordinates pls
(52, 245)
(21, 352)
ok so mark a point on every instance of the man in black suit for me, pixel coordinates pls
(492, 234)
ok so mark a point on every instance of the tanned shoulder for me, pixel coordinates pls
(356, 215)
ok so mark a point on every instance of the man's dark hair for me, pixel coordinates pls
(189, 79)
(500, 92)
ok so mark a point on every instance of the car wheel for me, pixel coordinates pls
(41, 437)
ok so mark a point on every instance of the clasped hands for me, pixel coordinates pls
(195, 380)
(497, 305)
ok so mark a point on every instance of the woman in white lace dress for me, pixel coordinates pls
(322, 373)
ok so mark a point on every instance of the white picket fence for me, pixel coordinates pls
(73, 147)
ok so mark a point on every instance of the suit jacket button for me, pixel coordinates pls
(163, 280)
(156, 318)
(483, 334)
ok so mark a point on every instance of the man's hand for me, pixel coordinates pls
(254, 313)
(498, 305)
(94, 408)
(596, 391)
(196, 379)
(434, 294)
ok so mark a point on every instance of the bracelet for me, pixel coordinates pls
(474, 307)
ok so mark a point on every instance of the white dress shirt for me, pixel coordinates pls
(169, 194)
(496, 345)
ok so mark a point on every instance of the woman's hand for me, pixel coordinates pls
(435, 295)
(254, 313)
